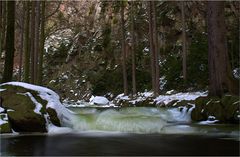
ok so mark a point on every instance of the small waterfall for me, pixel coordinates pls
(129, 120)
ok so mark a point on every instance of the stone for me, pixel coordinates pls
(26, 110)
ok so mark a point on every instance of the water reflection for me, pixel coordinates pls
(118, 144)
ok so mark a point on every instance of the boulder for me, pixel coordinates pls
(225, 109)
(4, 125)
(99, 100)
(30, 108)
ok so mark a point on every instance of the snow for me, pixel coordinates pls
(1, 90)
(53, 100)
(2, 121)
(179, 96)
(208, 122)
(1, 109)
(169, 92)
(161, 99)
(122, 97)
(99, 100)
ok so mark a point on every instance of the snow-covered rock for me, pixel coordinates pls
(31, 108)
(166, 99)
(99, 100)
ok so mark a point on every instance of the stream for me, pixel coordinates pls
(127, 131)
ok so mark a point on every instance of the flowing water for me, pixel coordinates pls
(127, 131)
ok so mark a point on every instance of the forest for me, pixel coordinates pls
(129, 66)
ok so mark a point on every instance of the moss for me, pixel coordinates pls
(26, 121)
(214, 108)
(17, 102)
(5, 128)
(53, 116)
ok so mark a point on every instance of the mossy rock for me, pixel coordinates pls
(232, 112)
(214, 108)
(26, 121)
(5, 128)
(53, 116)
(197, 113)
(225, 109)
(26, 109)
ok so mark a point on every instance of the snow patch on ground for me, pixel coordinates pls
(161, 99)
(165, 99)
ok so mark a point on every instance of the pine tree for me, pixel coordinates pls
(134, 90)
(125, 82)
(32, 54)
(8, 65)
(42, 40)
(26, 42)
(220, 76)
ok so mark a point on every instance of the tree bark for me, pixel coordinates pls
(184, 50)
(42, 40)
(4, 21)
(220, 75)
(32, 23)
(155, 48)
(26, 42)
(152, 54)
(1, 28)
(8, 65)
(125, 84)
(36, 40)
(21, 45)
(134, 89)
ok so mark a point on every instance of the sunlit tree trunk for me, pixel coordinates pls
(9, 58)
(42, 40)
(125, 84)
(134, 90)
(26, 42)
(220, 76)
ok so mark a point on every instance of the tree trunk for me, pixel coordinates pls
(32, 24)
(4, 21)
(184, 51)
(26, 42)
(155, 48)
(42, 40)
(36, 40)
(1, 28)
(21, 45)
(152, 54)
(8, 65)
(125, 84)
(134, 90)
(220, 75)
